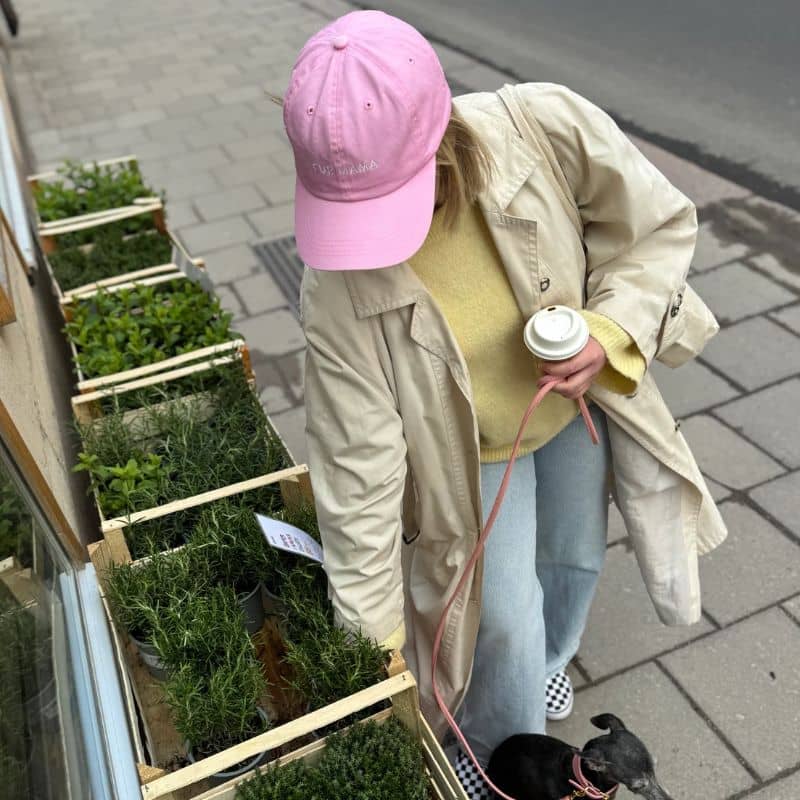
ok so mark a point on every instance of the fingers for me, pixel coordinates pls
(575, 385)
(562, 369)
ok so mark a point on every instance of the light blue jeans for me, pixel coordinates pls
(541, 565)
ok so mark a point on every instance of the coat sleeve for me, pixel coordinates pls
(357, 459)
(639, 230)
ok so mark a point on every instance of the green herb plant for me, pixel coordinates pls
(16, 523)
(116, 331)
(140, 594)
(205, 442)
(82, 189)
(124, 485)
(368, 762)
(233, 545)
(216, 682)
(111, 253)
(328, 662)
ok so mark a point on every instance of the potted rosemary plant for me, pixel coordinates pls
(173, 452)
(233, 546)
(216, 685)
(139, 594)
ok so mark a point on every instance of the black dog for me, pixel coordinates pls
(531, 766)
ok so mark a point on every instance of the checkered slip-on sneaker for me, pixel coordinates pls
(467, 773)
(559, 696)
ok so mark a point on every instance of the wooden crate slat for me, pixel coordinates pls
(200, 499)
(158, 366)
(92, 288)
(385, 690)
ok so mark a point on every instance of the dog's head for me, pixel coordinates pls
(622, 758)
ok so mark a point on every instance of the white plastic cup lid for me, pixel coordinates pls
(556, 333)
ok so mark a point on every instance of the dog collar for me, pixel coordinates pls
(584, 787)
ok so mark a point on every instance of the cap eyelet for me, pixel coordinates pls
(410, 60)
(310, 110)
(368, 105)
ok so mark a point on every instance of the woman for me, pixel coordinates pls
(432, 229)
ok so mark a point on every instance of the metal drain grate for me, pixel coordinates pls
(280, 259)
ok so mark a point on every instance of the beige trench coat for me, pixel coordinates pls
(392, 433)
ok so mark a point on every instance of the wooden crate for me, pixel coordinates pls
(180, 261)
(399, 689)
(294, 482)
(158, 746)
(50, 231)
(87, 406)
(85, 384)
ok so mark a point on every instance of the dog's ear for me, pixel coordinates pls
(608, 722)
(594, 760)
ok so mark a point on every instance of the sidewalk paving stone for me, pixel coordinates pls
(754, 352)
(622, 605)
(718, 491)
(691, 387)
(272, 223)
(735, 291)
(785, 789)
(230, 301)
(212, 235)
(254, 146)
(260, 293)
(182, 187)
(746, 678)
(711, 251)
(781, 498)
(770, 419)
(292, 367)
(292, 426)
(778, 269)
(240, 172)
(274, 395)
(228, 202)
(725, 456)
(790, 317)
(793, 607)
(689, 754)
(232, 263)
(180, 214)
(755, 567)
(273, 334)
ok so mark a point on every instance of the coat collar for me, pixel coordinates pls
(374, 291)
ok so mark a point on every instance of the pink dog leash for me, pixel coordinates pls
(547, 385)
(584, 787)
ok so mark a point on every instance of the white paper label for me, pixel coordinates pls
(287, 537)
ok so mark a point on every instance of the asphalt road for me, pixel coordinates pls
(716, 81)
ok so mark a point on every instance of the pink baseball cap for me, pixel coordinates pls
(366, 109)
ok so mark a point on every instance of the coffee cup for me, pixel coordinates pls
(555, 333)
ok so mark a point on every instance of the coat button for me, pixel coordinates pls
(544, 284)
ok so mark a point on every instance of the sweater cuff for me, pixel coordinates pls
(625, 365)
(395, 640)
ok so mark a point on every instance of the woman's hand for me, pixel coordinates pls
(576, 373)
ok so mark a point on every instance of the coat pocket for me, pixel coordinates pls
(688, 326)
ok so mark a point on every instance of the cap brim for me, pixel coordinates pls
(365, 234)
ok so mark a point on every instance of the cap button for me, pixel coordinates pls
(340, 42)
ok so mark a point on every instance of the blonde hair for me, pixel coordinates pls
(464, 166)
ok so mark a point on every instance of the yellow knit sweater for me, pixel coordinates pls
(465, 276)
